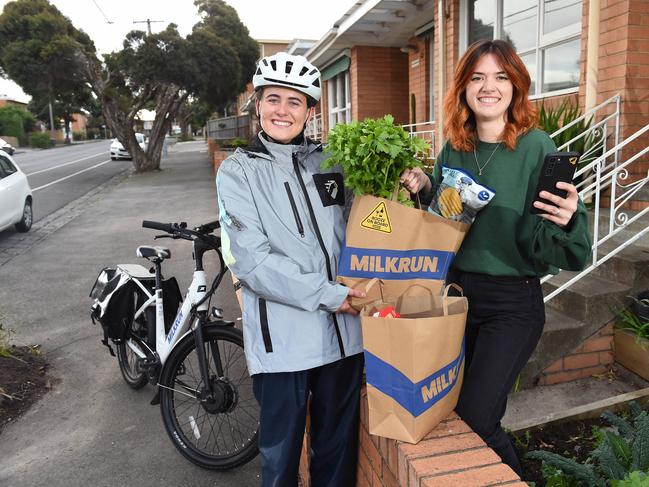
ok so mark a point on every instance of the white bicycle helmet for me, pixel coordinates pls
(289, 71)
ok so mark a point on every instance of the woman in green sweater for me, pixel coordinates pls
(490, 135)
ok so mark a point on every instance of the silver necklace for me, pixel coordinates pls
(481, 168)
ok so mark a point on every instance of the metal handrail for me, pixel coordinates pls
(610, 175)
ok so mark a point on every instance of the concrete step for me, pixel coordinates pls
(561, 335)
(630, 266)
(591, 299)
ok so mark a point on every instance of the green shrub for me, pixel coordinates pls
(11, 124)
(16, 122)
(552, 119)
(78, 135)
(40, 140)
(623, 450)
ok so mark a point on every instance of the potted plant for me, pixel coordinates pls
(632, 338)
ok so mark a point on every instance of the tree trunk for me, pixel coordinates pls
(169, 98)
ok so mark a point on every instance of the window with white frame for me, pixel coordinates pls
(545, 34)
(339, 99)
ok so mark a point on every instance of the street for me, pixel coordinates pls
(91, 429)
(58, 176)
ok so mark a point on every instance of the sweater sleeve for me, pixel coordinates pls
(248, 253)
(551, 246)
(567, 248)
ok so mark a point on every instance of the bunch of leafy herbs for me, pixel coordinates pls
(373, 154)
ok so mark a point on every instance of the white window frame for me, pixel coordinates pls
(543, 42)
(339, 111)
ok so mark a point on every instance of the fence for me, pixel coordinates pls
(235, 127)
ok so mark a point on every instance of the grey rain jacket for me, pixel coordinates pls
(282, 226)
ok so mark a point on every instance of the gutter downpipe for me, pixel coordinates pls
(592, 54)
(441, 72)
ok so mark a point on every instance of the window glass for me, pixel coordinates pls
(561, 66)
(339, 102)
(530, 63)
(560, 13)
(7, 166)
(520, 19)
(482, 19)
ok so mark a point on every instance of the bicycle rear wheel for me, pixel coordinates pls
(222, 433)
(133, 375)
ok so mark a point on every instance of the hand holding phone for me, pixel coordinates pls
(557, 166)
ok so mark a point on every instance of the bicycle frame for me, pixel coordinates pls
(166, 341)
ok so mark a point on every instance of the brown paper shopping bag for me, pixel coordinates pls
(400, 245)
(414, 364)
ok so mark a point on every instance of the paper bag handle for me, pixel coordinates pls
(395, 192)
(445, 295)
(400, 299)
(370, 284)
(395, 196)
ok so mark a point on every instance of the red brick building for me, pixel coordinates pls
(398, 56)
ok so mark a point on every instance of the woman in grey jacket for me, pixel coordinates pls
(283, 223)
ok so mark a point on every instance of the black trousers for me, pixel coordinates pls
(335, 404)
(504, 324)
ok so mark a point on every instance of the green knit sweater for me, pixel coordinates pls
(505, 238)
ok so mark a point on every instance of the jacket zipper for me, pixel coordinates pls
(300, 228)
(296, 166)
(263, 319)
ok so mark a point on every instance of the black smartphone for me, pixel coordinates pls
(557, 166)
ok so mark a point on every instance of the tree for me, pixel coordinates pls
(38, 47)
(162, 69)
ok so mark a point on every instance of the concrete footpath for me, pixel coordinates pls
(91, 429)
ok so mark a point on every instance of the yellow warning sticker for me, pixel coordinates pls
(378, 219)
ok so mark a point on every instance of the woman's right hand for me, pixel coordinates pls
(415, 180)
(346, 307)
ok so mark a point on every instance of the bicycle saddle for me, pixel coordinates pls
(147, 251)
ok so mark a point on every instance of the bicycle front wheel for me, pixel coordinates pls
(217, 433)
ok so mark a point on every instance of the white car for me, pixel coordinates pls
(15, 196)
(117, 150)
(7, 147)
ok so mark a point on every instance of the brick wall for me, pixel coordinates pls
(379, 83)
(419, 79)
(594, 356)
(624, 68)
(449, 456)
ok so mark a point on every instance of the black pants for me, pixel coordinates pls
(335, 402)
(504, 324)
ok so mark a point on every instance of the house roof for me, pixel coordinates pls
(386, 23)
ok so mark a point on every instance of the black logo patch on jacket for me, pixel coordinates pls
(330, 188)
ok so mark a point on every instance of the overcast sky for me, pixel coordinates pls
(265, 19)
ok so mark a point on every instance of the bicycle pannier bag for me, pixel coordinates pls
(113, 304)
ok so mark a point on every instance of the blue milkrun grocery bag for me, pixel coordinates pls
(401, 246)
(414, 364)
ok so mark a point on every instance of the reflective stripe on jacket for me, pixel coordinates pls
(283, 224)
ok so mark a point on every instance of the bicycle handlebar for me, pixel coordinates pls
(165, 227)
(180, 230)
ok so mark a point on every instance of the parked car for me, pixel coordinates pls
(117, 150)
(7, 147)
(15, 196)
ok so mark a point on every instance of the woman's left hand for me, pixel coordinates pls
(561, 210)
